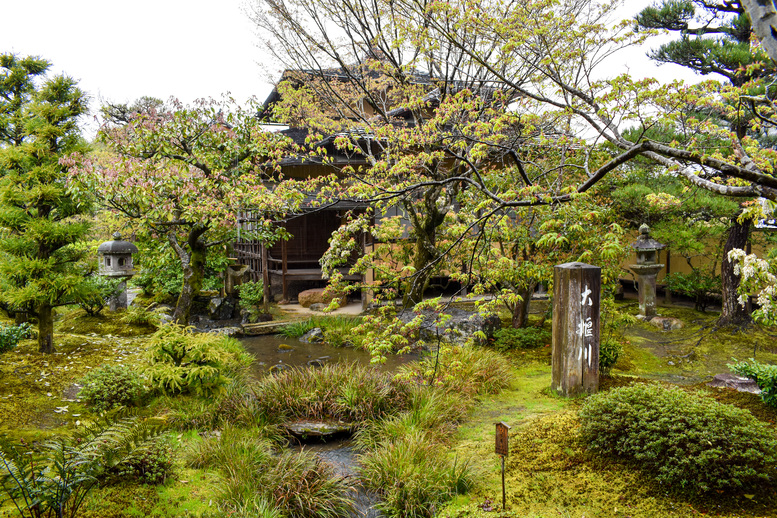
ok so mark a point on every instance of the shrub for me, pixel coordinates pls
(101, 290)
(764, 375)
(520, 338)
(682, 439)
(111, 386)
(150, 465)
(413, 476)
(698, 285)
(610, 350)
(180, 360)
(251, 294)
(11, 335)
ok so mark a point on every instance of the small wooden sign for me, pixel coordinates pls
(502, 439)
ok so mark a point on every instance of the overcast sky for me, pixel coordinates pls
(119, 51)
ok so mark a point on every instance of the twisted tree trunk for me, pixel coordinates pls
(732, 312)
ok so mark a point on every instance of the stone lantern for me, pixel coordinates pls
(115, 260)
(646, 270)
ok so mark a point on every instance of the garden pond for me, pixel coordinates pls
(274, 352)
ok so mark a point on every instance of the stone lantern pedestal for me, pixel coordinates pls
(646, 270)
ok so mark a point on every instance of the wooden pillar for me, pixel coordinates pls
(576, 294)
(265, 277)
(284, 269)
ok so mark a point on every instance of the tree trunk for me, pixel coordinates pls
(763, 16)
(521, 310)
(45, 329)
(424, 254)
(193, 263)
(732, 312)
(425, 223)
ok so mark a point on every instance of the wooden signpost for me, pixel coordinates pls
(576, 289)
(502, 449)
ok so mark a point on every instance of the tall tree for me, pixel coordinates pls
(185, 173)
(41, 222)
(715, 37)
(541, 60)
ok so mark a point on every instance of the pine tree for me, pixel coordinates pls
(41, 224)
(715, 37)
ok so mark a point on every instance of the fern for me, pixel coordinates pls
(54, 481)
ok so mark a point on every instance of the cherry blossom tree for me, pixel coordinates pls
(184, 173)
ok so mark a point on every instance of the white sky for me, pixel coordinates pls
(120, 51)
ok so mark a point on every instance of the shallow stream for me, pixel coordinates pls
(273, 351)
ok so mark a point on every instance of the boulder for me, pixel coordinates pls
(667, 323)
(459, 329)
(221, 308)
(318, 362)
(314, 336)
(317, 296)
(733, 381)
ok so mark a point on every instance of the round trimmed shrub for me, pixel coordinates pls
(686, 440)
(111, 386)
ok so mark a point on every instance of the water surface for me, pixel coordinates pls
(272, 350)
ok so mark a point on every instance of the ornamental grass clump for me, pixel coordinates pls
(464, 370)
(253, 476)
(341, 391)
(687, 441)
(413, 476)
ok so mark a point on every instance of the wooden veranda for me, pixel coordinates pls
(295, 259)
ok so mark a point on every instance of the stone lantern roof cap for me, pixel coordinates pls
(645, 242)
(117, 246)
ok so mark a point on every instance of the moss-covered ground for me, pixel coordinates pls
(548, 472)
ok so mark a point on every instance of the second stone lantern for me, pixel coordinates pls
(646, 270)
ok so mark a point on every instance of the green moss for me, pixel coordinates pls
(192, 494)
(77, 322)
(549, 473)
(38, 392)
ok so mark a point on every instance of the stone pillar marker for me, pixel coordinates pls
(576, 294)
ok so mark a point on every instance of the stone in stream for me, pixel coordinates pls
(314, 336)
(306, 430)
(318, 362)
